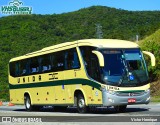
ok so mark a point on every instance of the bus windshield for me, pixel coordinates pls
(124, 68)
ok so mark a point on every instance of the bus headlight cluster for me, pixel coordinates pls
(110, 100)
(111, 92)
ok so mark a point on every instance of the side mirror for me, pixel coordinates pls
(153, 59)
(100, 57)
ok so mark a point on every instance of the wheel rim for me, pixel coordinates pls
(28, 103)
(81, 103)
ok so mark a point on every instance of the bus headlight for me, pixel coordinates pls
(111, 92)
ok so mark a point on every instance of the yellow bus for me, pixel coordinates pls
(84, 73)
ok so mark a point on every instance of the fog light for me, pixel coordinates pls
(110, 100)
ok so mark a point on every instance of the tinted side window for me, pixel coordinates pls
(95, 68)
(71, 59)
(34, 65)
(57, 61)
(19, 68)
(86, 52)
(45, 63)
(23, 69)
(76, 63)
(91, 62)
(14, 69)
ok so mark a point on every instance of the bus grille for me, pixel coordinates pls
(130, 93)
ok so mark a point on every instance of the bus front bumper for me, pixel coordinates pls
(114, 99)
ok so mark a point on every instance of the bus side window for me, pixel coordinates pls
(18, 68)
(53, 62)
(60, 61)
(14, 69)
(95, 69)
(71, 59)
(76, 63)
(90, 62)
(86, 54)
(23, 67)
(68, 59)
(45, 63)
(57, 61)
(34, 66)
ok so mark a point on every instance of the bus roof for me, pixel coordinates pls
(100, 43)
(108, 43)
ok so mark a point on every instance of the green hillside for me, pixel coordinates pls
(152, 44)
(26, 33)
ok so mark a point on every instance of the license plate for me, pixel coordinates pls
(131, 100)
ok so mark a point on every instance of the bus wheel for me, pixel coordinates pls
(81, 105)
(27, 102)
(121, 108)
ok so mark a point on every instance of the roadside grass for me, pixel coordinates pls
(155, 99)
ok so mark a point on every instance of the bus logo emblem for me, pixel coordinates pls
(131, 94)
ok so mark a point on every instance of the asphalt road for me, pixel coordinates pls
(134, 113)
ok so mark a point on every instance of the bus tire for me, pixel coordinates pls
(81, 105)
(27, 102)
(121, 108)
